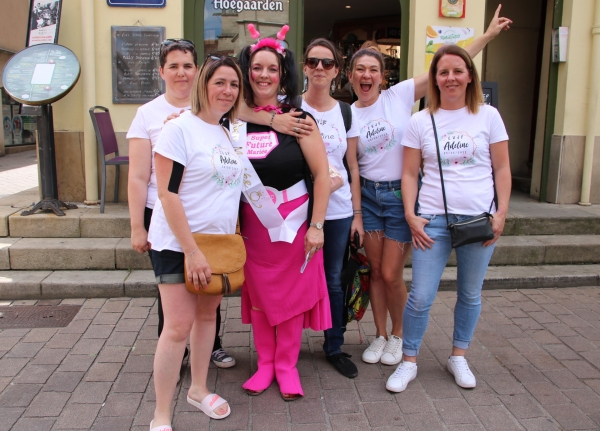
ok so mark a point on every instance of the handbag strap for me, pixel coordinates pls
(437, 148)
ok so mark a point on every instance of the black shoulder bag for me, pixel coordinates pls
(474, 229)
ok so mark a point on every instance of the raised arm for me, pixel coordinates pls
(496, 26)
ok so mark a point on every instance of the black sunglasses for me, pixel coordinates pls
(168, 42)
(313, 62)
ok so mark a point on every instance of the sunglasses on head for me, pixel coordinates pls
(313, 62)
(168, 42)
(211, 57)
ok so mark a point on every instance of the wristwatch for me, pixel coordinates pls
(318, 225)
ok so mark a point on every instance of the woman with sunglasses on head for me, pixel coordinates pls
(467, 140)
(199, 179)
(379, 118)
(178, 68)
(322, 63)
(281, 218)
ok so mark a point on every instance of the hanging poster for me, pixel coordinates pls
(438, 36)
(44, 20)
(452, 8)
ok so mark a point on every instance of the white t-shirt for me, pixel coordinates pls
(212, 181)
(465, 141)
(333, 132)
(380, 128)
(147, 124)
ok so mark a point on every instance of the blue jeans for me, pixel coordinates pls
(427, 268)
(337, 233)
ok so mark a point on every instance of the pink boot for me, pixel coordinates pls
(289, 341)
(264, 341)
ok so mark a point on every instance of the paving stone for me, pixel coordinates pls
(8, 416)
(63, 382)
(10, 367)
(47, 404)
(455, 411)
(88, 346)
(496, 418)
(7, 343)
(144, 347)
(103, 372)
(128, 325)
(91, 392)
(582, 369)
(121, 404)
(132, 382)
(586, 399)
(106, 318)
(126, 339)
(25, 350)
(572, 418)
(77, 363)
(77, 416)
(40, 335)
(113, 424)
(540, 424)
(307, 411)
(339, 401)
(17, 395)
(269, 422)
(564, 379)
(423, 422)
(114, 354)
(35, 374)
(98, 331)
(522, 406)
(34, 424)
(546, 393)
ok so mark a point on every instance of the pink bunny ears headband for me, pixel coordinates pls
(269, 41)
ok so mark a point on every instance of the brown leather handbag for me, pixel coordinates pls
(226, 256)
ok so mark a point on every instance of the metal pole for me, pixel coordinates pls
(588, 154)
(46, 154)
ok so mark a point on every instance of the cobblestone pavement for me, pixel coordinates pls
(18, 172)
(536, 356)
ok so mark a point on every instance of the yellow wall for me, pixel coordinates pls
(574, 75)
(424, 13)
(70, 113)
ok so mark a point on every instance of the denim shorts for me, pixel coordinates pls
(383, 209)
(168, 266)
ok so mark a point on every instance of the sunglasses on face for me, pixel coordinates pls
(313, 62)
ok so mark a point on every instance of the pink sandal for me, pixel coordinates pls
(161, 427)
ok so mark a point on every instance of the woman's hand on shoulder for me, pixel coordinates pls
(417, 228)
(197, 269)
(173, 116)
(498, 221)
(291, 124)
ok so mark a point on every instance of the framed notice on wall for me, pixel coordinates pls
(44, 21)
(135, 64)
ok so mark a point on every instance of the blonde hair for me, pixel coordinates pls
(371, 44)
(474, 94)
(199, 96)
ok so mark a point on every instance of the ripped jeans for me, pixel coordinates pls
(383, 209)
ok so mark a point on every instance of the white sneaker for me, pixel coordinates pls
(373, 353)
(459, 368)
(392, 354)
(405, 373)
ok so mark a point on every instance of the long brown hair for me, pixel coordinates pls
(337, 57)
(474, 94)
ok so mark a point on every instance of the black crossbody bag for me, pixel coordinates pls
(474, 229)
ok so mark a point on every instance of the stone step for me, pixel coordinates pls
(76, 284)
(116, 253)
(70, 254)
(20, 285)
(526, 217)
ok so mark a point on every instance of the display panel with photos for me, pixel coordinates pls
(44, 21)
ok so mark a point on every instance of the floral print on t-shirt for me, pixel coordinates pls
(457, 148)
(227, 166)
(377, 136)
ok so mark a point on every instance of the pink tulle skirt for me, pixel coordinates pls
(274, 283)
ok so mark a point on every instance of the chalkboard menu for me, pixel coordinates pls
(135, 63)
(41, 74)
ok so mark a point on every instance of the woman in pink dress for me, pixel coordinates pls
(285, 289)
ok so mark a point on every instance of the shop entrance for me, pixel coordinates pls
(351, 23)
(519, 62)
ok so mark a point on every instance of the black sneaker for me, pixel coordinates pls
(343, 364)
